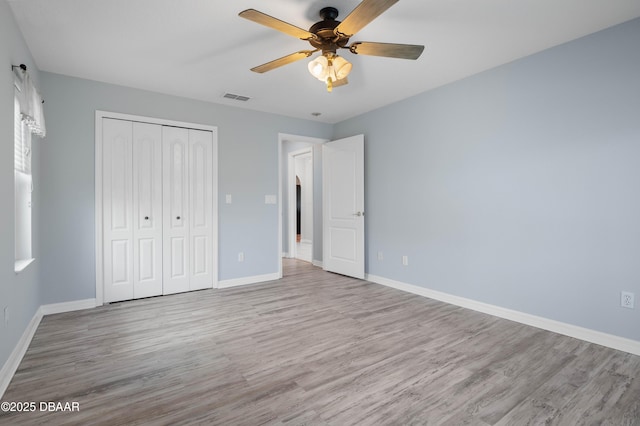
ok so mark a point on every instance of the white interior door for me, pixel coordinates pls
(343, 206)
(147, 210)
(175, 215)
(117, 222)
(201, 209)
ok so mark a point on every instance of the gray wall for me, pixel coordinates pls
(248, 169)
(518, 187)
(19, 292)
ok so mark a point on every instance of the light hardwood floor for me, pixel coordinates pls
(318, 349)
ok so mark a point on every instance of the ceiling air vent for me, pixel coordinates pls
(236, 97)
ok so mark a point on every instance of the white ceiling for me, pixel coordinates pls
(201, 49)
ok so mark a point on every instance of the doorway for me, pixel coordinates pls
(307, 153)
(301, 211)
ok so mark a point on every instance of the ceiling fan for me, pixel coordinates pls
(328, 36)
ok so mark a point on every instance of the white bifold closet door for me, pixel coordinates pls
(117, 196)
(157, 209)
(188, 207)
(201, 203)
(147, 210)
(132, 200)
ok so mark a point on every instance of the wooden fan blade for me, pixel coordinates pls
(364, 13)
(389, 50)
(283, 61)
(276, 24)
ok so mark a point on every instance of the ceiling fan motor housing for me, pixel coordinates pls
(327, 40)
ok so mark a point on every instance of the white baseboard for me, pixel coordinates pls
(248, 280)
(10, 367)
(285, 254)
(593, 336)
(76, 305)
(317, 263)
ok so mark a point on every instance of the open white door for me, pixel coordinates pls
(343, 206)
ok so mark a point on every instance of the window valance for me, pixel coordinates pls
(31, 103)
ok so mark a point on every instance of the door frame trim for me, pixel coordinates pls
(99, 115)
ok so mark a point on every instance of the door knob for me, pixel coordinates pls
(178, 217)
(146, 218)
(359, 214)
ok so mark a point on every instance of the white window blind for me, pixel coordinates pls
(22, 142)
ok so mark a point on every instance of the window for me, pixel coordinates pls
(28, 119)
(23, 189)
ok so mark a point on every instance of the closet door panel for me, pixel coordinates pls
(118, 221)
(147, 208)
(201, 207)
(175, 187)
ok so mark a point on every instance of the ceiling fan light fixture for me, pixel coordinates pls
(342, 67)
(319, 68)
(330, 68)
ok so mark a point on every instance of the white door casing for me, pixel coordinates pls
(201, 209)
(118, 214)
(343, 206)
(147, 210)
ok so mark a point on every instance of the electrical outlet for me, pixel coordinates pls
(380, 257)
(228, 199)
(627, 300)
(6, 315)
(405, 260)
(241, 257)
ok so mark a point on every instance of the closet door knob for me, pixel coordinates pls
(178, 217)
(146, 218)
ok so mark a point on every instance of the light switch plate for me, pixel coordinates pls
(227, 199)
(270, 199)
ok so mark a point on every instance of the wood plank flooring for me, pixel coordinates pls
(315, 349)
